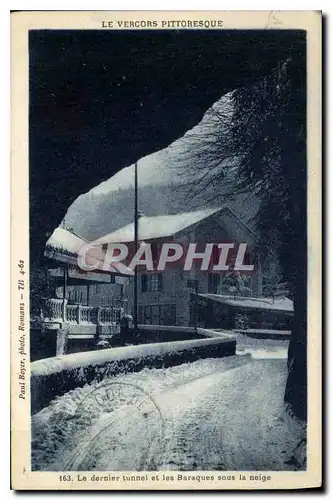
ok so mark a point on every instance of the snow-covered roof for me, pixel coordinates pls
(65, 241)
(65, 246)
(159, 226)
(278, 304)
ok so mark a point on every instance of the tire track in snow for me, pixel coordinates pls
(219, 415)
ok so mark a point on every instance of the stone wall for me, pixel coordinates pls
(55, 376)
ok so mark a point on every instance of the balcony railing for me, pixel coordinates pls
(59, 311)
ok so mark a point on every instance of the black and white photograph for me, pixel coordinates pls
(163, 318)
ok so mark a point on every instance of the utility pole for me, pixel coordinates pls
(196, 297)
(136, 248)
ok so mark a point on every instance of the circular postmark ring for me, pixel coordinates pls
(128, 421)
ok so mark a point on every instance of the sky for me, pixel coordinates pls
(163, 166)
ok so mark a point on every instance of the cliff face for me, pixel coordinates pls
(101, 100)
(169, 182)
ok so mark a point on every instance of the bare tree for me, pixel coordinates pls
(257, 145)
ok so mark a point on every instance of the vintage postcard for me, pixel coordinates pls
(166, 250)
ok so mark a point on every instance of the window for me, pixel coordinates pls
(158, 314)
(156, 282)
(151, 283)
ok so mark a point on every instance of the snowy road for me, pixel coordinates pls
(213, 414)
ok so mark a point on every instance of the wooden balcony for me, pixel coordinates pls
(80, 320)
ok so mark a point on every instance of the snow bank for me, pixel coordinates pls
(187, 329)
(54, 376)
(261, 333)
(168, 328)
(92, 358)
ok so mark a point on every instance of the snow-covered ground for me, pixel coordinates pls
(212, 414)
(260, 348)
